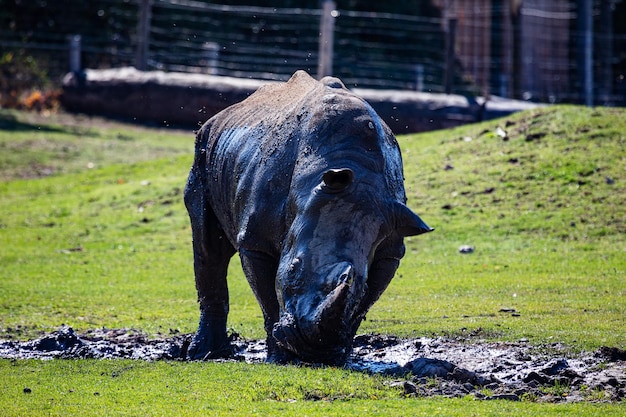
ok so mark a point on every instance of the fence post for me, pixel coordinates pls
(211, 54)
(327, 29)
(450, 42)
(585, 53)
(75, 50)
(606, 52)
(143, 34)
(419, 77)
(504, 85)
(507, 49)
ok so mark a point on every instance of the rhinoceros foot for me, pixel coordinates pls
(210, 341)
(277, 355)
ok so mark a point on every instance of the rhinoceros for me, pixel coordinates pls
(305, 181)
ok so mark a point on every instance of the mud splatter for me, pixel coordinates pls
(420, 367)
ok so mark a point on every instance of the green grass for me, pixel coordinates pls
(32, 146)
(94, 233)
(546, 213)
(90, 387)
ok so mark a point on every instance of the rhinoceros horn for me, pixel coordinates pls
(335, 303)
(409, 223)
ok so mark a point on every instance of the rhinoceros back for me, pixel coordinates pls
(248, 152)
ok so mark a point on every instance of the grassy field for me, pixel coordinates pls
(94, 234)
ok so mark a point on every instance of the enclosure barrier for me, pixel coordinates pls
(540, 51)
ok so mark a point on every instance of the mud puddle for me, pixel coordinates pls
(420, 367)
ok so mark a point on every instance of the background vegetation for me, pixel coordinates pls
(34, 37)
(391, 45)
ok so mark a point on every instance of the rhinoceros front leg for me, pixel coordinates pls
(211, 252)
(260, 269)
(380, 274)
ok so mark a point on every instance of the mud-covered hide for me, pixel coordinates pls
(305, 181)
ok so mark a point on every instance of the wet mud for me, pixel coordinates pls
(420, 367)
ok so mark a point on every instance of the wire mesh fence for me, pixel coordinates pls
(530, 54)
(250, 42)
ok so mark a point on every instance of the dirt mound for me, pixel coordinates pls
(421, 367)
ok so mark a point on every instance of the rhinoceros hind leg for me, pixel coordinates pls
(211, 252)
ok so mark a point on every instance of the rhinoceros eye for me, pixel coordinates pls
(295, 264)
(335, 180)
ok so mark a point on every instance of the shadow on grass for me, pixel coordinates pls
(11, 123)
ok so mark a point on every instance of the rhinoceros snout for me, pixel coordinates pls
(291, 337)
(323, 331)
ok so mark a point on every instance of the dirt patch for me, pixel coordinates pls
(421, 367)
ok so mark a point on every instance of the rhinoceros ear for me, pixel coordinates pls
(409, 223)
(335, 180)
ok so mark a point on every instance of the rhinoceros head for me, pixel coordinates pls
(346, 236)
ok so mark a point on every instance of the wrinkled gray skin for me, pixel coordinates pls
(305, 181)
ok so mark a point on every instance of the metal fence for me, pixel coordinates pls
(472, 55)
(369, 50)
